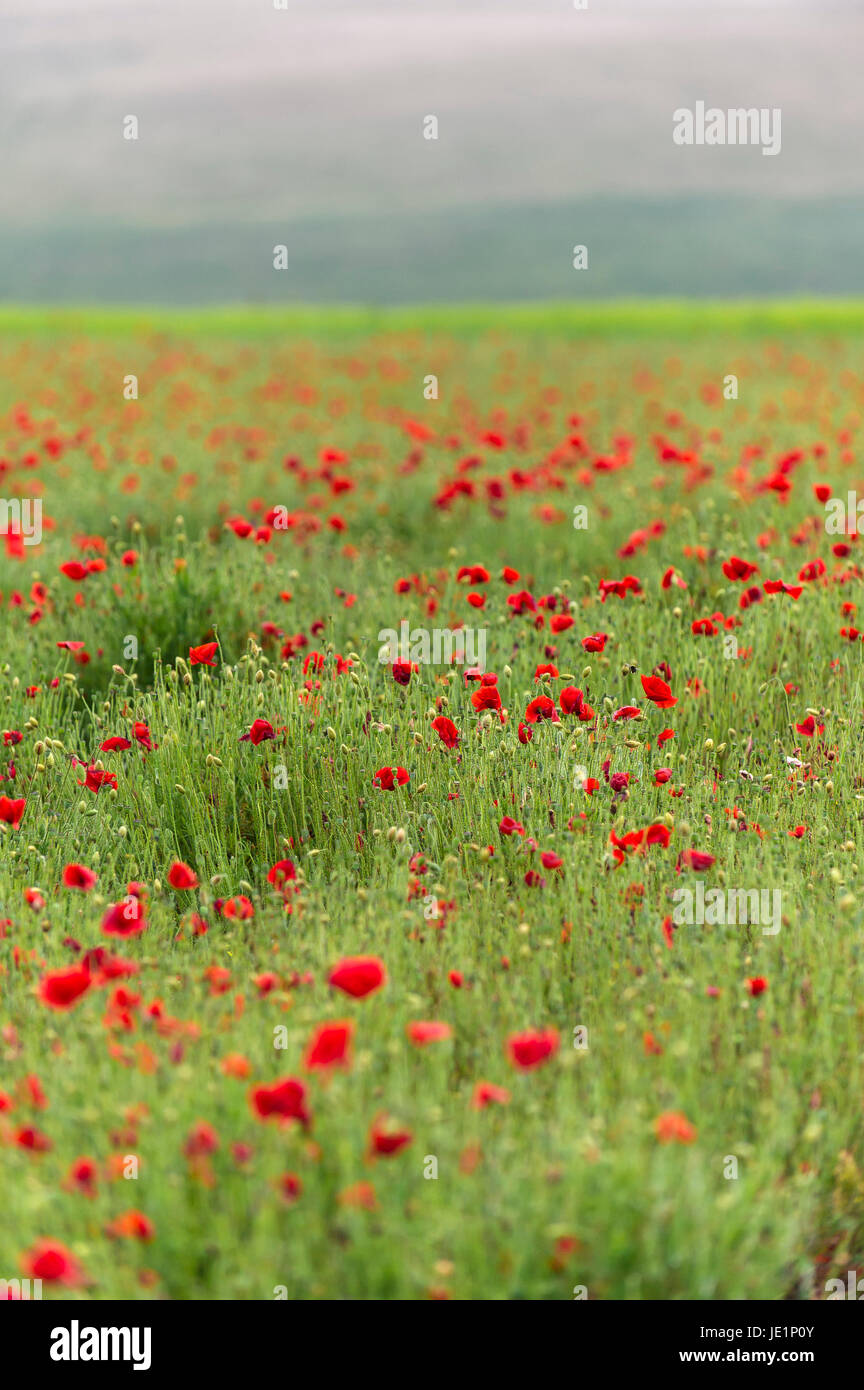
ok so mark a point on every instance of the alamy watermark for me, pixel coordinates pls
(738, 126)
(844, 517)
(735, 907)
(438, 647)
(25, 1289)
(22, 517)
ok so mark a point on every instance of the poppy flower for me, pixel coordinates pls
(360, 1195)
(486, 1093)
(60, 989)
(698, 860)
(30, 1138)
(201, 1140)
(114, 745)
(284, 1100)
(77, 876)
(131, 1225)
(385, 1142)
(142, 735)
(95, 779)
(358, 975)
(808, 729)
(658, 692)
(628, 712)
(428, 1032)
(239, 908)
(757, 985)
(330, 1046)
(487, 697)
(53, 1263)
(203, 655)
(674, 1128)
(540, 708)
(82, 1177)
(73, 569)
(532, 1048)
(290, 1186)
(508, 826)
(125, 918)
(282, 873)
(571, 701)
(595, 642)
(261, 730)
(11, 810)
(446, 731)
(180, 876)
(739, 570)
(388, 777)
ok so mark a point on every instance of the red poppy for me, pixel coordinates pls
(508, 826)
(281, 873)
(658, 692)
(486, 697)
(808, 729)
(125, 918)
(95, 779)
(60, 989)
(131, 1225)
(53, 1263)
(737, 569)
(486, 1093)
(532, 1048)
(284, 1100)
(203, 655)
(385, 1142)
(77, 876)
(674, 1128)
(330, 1046)
(540, 708)
(83, 1177)
(11, 810)
(757, 985)
(698, 860)
(428, 1032)
(358, 975)
(446, 731)
(290, 1186)
(261, 730)
(180, 876)
(388, 777)
(114, 745)
(73, 569)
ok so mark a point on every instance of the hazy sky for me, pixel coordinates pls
(304, 126)
(247, 112)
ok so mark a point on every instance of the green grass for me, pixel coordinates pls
(608, 319)
(774, 1081)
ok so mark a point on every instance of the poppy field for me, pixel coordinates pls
(335, 971)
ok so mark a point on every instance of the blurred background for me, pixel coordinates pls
(304, 127)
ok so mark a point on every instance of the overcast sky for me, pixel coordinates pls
(247, 112)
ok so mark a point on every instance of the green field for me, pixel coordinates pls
(605, 1168)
